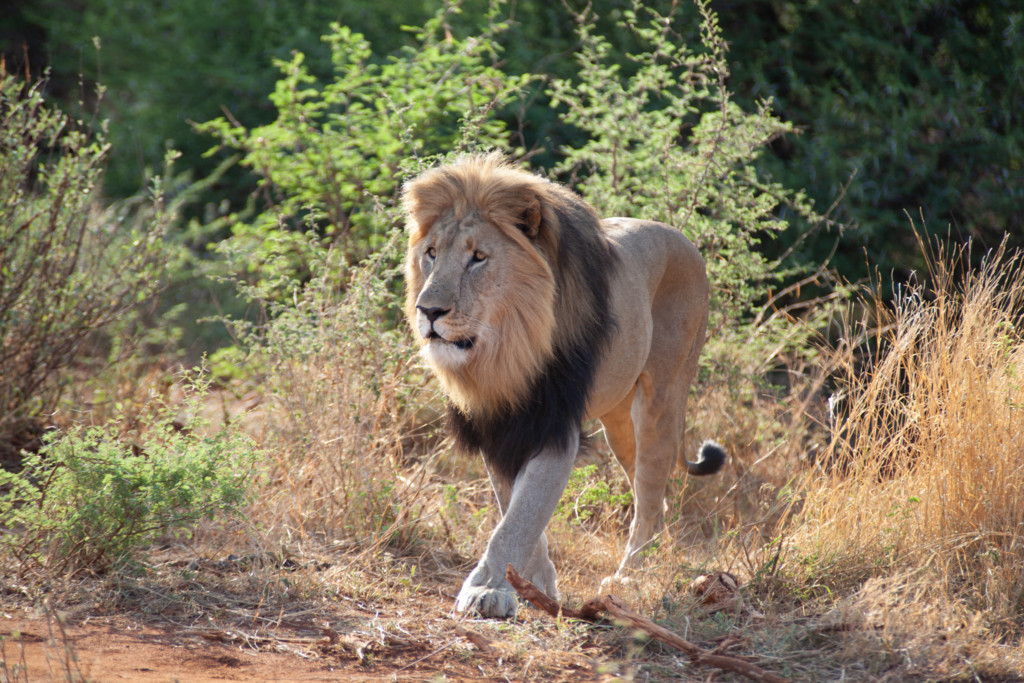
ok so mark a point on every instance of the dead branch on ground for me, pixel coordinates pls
(614, 608)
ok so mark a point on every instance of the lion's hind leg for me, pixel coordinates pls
(658, 413)
(621, 436)
(657, 432)
(643, 435)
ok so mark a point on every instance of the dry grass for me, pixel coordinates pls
(886, 549)
(926, 468)
(915, 515)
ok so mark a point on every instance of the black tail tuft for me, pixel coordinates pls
(710, 459)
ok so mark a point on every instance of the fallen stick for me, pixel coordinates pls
(479, 640)
(592, 609)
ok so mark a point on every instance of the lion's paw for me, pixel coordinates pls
(487, 594)
(499, 603)
(541, 573)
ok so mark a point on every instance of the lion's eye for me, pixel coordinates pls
(431, 252)
(478, 257)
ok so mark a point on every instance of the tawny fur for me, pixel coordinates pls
(531, 322)
(535, 315)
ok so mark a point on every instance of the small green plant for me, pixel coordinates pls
(91, 497)
(588, 494)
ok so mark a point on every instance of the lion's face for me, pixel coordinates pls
(481, 302)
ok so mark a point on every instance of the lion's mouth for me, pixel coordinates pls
(461, 344)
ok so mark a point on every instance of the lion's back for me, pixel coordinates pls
(657, 251)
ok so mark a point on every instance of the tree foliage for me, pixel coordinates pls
(167, 65)
(908, 105)
(338, 148)
(899, 106)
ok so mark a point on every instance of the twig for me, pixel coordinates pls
(483, 644)
(620, 613)
(591, 610)
(427, 656)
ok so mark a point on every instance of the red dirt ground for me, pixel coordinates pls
(36, 648)
(105, 650)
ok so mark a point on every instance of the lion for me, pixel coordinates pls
(535, 315)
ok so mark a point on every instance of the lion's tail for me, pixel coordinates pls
(710, 459)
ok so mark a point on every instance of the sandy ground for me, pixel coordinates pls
(37, 648)
(115, 650)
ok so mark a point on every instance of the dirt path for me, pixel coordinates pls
(37, 648)
(105, 650)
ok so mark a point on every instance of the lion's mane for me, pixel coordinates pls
(533, 393)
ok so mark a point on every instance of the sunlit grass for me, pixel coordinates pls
(926, 466)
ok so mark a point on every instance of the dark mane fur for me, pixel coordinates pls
(553, 411)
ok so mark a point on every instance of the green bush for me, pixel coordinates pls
(68, 267)
(91, 497)
(665, 141)
(922, 100)
(338, 150)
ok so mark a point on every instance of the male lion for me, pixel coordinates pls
(536, 315)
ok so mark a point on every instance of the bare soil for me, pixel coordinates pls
(431, 645)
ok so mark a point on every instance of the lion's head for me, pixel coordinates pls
(500, 275)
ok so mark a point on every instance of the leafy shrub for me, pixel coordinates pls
(666, 142)
(336, 150)
(68, 269)
(198, 58)
(90, 498)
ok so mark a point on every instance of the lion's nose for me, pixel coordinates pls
(433, 313)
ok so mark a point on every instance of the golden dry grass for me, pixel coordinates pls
(927, 467)
(885, 549)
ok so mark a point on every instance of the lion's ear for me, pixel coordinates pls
(529, 222)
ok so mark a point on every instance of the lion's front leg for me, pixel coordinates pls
(519, 537)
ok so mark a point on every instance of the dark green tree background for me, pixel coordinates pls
(911, 106)
(922, 101)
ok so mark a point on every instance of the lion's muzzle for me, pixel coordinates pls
(427, 324)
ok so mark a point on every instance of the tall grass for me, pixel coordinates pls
(351, 426)
(926, 470)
